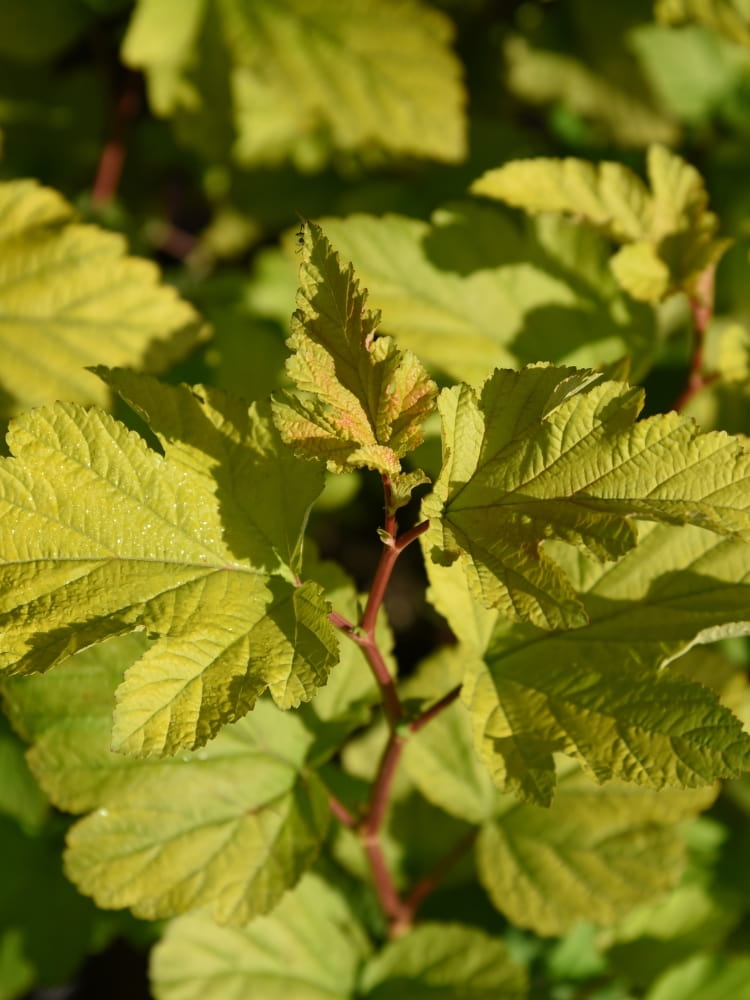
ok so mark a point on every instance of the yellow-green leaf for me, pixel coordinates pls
(670, 222)
(70, 297)
(596, 693)
(166, 544)
(556, 453)
(730, 17)
(363, 400)
(302, 79)
(596, 853)
(475, 290)
(232, 826)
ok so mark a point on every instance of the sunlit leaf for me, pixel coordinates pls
(69, 297)
(671, 224)
(303, 79)
(198, 547)
(555, 453)
(364, 400)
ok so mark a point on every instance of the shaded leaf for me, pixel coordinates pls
(70, 297)
(705, 977)
(232, 826)
(444, 962)
(596, 853)
(616, 109)
(729, 17)
(309, 948)
(474, 290)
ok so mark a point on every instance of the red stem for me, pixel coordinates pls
(428, 883)
(340, 811)
(702, 309)
(112, 158)
(435, 709)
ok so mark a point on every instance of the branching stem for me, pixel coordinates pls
(399, 912)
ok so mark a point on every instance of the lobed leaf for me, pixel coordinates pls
(313, 948)
(555, 453)
(232, 826)
(166, 544)
(444, 961)
(596, 692)
(670, 235)
(364, 399)
(70, 297)
(302, 80)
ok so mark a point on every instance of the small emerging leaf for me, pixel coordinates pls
(672, 232)
(363, 400)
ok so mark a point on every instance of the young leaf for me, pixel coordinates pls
(364, 399)
(169, 545)
(309, 948)
(304, 79)
(475, 290)
(232, 826)
(595, 692)
(70, 297)
(555, 453)
(594, 854)
(672, 232)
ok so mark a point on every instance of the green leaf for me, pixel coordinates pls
(364, 399)
(444, 962)
(66, 716)
(674, 233)
(474, 290)
(313, 948)
(729, 17)
(611, 98)
(555, 453)
(303, 80)
(154, 823)
(441, 761)
(38, 30)
(231, 826)
(175, 545)
(20, 796)
(705, 977)
(596, 692)
(46, 927)
(309, 948)
(69, 297)
(596, 853)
